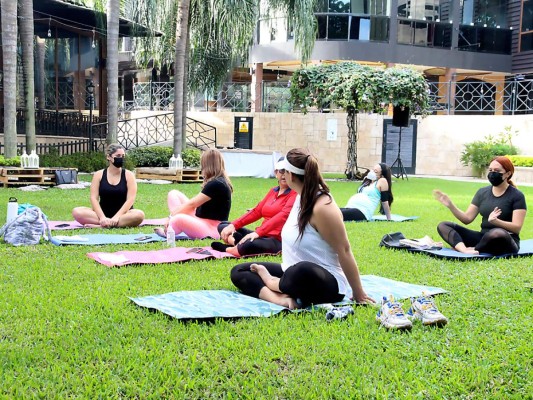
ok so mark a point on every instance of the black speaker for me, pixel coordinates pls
(401, 117)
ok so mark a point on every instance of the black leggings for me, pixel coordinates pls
(261, 245)
(305, 281)
(497, 241)
(352, 214)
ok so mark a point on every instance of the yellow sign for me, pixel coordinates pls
(243, 127)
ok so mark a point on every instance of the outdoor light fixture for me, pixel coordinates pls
(93, 45)
(49, 30)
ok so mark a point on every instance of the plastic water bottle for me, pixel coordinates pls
(24, 160)
(171, 236)
(12, 209)
(33, 160)
(339, 312)
(172, 162)
(179, 162)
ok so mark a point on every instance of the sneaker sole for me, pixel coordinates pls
(436, 322)
(390, 326)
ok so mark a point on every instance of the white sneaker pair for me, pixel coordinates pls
(392, 316)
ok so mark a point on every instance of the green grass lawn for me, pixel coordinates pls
(68, 329)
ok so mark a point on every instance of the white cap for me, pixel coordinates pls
(280, 164)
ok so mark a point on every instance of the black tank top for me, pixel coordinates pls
(112, 197)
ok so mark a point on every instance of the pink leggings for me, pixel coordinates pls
(188, 223)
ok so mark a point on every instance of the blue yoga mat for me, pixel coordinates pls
(526, 249)
(110, 238)
(229, 304)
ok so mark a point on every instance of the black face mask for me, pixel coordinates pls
(495, 178)
(118, 162)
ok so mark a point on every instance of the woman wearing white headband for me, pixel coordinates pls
(318, 265)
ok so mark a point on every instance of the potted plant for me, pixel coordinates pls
(408, 92)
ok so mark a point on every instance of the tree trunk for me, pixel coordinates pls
(113, 12)
(352, 170)
(180, 74)
(41, 51)
(26, 39)
(9, 52)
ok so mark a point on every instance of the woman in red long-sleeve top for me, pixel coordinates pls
(274, 209)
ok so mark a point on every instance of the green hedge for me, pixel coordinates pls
(158, 156)
(522, 161)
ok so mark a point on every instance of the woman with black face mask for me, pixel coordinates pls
(113, 192)
(503, 210)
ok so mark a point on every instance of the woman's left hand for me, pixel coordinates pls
(494, 214)
(363, 298)
(251, 236)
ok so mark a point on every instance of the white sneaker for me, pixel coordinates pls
(391, 315)
(424, 309)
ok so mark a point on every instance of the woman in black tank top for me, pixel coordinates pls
(113, 192)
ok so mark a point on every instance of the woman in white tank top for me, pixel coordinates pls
(318, 264)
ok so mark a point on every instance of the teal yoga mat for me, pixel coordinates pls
(110, 238)
(394, 218)
(205, 304)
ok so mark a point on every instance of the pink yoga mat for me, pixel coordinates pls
(66, 225)
(176, 254)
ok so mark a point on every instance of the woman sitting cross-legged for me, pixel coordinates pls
(199, 216)
(376, 189)
(503, 210)
(274, 209)
(318, 265)
(113, 192)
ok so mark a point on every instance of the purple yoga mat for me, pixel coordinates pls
(66, 225)
(176, 254)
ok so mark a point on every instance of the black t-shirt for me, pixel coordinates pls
(485, 201)
(219, 191)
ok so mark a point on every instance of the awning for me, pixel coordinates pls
(69, 19)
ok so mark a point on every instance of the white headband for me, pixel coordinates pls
(291, 168)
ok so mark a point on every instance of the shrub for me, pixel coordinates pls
(84, 162)
(154, 156)
(191, 158)
(522, 161)
(10, 162)
(479, 153)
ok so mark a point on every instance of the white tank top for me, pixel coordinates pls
(310, 247)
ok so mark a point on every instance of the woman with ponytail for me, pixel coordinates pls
(503, 210)
(318, 265)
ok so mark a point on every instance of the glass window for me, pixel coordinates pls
(526, 42)
(527, 16)
(339, 6)
(338, 27)
(492, 13)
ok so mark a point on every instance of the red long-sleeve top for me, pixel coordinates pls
(275, 211)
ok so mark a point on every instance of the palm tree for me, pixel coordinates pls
(113, 11)
(26, 39)
(9, 52)
(220, 35)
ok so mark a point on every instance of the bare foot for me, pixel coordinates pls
(291, 303)
(233, 251)
(470, 250)
(270, 281)
(461, 248)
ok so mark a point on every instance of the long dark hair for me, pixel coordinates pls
(313, 184)
(387, 174)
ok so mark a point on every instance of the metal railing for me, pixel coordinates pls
(473, 96)
(155, 129)
(470, 96)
